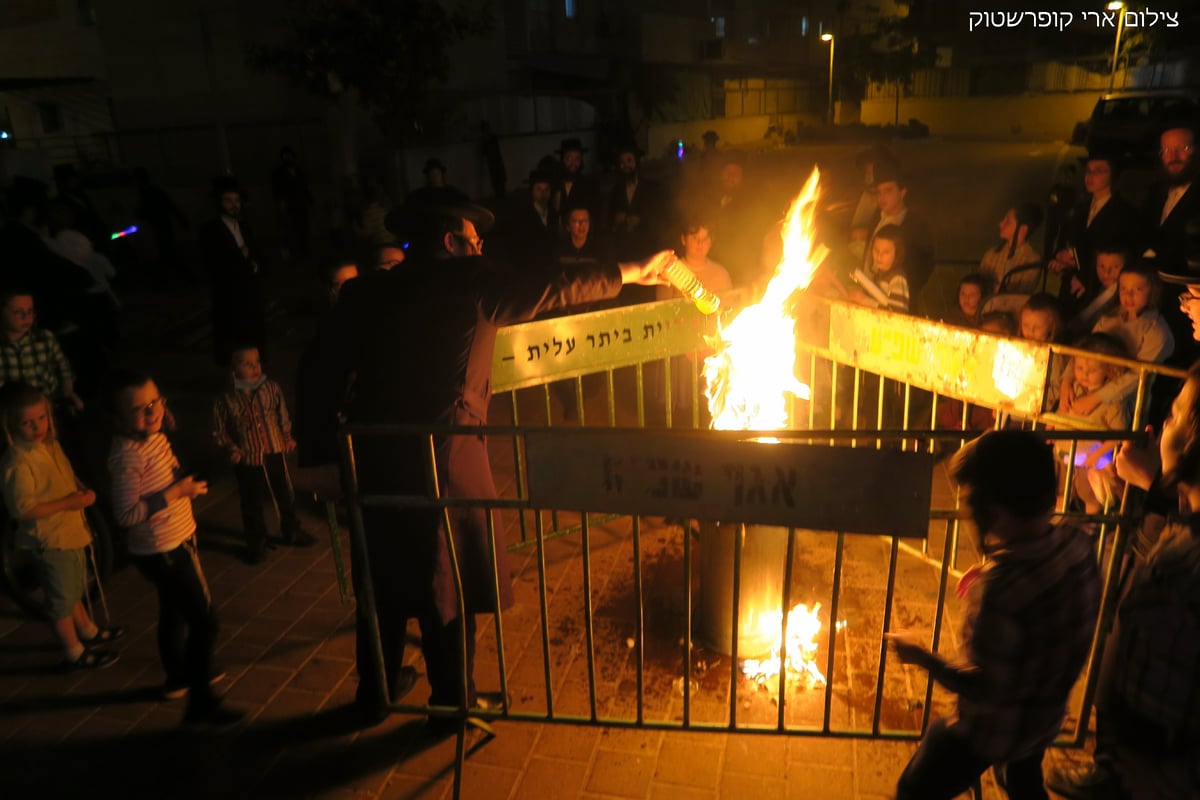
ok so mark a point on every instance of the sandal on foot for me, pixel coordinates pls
(104, 636)
(93, 659)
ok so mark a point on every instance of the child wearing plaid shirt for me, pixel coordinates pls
(31, 355)
(251, 424)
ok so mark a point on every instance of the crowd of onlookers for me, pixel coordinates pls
(60, 305)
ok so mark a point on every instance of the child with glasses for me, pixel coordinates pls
(31, 354)
(152, 498)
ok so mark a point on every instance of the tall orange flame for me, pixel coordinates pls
(749, 378)
(752, 371)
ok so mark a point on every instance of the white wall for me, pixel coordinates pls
(1049, 116)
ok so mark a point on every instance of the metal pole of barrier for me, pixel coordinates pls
(1140, 400)
(813, 390)
(881, 386)
(460, 599)
(1109, 600)
(938, 616)
(549, 424)
(738, 541)
(640, 596)
(668, 389)
(544, 608)
(640, 386)
(785, 606)
(855, 397)
(519, 466)
(498, 616)
(610, 387)
(889, 598)
(907, 409)
(694, 369)
(588, 626)
(1070, 477)
(834, 603)
(687, 625)
(833, 393)
(579, 407)
(955, 529)
(335, 547)
(364, 589)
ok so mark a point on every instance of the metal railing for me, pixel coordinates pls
(600, 638)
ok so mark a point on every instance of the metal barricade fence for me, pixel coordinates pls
(629, 627)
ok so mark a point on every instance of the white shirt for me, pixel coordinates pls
(235, 229)
(1097, 204)
(1173, 196)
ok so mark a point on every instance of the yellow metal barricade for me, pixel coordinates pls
(616, 601)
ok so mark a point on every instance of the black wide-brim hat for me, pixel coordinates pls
(571, 145)
(226, 184)
(410, 220)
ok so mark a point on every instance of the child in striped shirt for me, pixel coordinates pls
(251, 424)
(887, 272)
(153, 501)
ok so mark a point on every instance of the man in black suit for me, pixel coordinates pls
(227, 250)
(531, 229)
(574, 189)
(1174, 202)
(1103, 219)
(1170, 208)
(438, 318)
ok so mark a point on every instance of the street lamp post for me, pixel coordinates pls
(1118, 7)
(828, 37)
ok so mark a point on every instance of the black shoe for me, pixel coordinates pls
(256, 553)
(104, 636)
(299, 537)
(404, 683)
(212, 715)
(93, 659)
(1084, 782)
(176, 690)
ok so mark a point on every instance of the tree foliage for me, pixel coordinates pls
(889, 51)
(389, 52)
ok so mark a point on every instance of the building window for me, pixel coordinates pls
(804, 26)
(51, 114)
(720, 22)
(569, 9)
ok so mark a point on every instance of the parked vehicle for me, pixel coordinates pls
(1128, 124)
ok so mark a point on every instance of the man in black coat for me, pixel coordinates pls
(891, 193)
(574, 189)
(420, 340)
(531, 227)
(1102, 219)
(228, 252)
(1171, 207)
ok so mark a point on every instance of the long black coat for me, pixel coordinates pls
(1167, 236)
(421, 340)
(238, 313)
